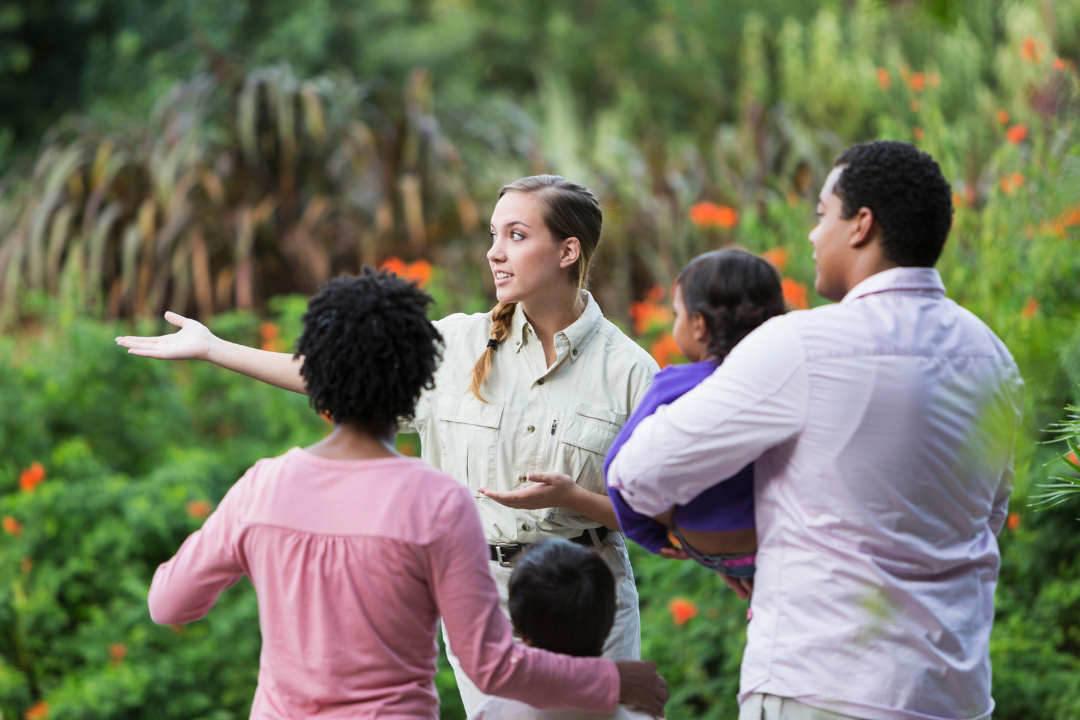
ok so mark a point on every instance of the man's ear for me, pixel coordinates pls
(698, 327)
(571, 251)
(865, 227)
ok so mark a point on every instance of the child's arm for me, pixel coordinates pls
(194, 341)
(481, 637)
(187, 586)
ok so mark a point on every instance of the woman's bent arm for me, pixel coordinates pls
(195, 342)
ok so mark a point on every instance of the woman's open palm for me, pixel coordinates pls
(192, 342)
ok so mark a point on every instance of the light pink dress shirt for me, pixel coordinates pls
(353, 563)
(881, 431)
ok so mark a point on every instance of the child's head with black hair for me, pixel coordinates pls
(720, 297)
(562, 598)
(368, 349)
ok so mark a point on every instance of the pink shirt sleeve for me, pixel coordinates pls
(481, 636)
(187, 586)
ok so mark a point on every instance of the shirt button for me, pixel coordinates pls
(573, 352)
(530, 428)
(522, 478)
(526, 527)
(540, 381)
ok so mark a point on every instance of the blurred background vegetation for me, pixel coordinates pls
(223, 159)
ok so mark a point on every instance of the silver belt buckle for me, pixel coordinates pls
(499, 547)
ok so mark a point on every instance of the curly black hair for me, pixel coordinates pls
(368, 349)
(735, 291)
(908, 194)
(562, 598)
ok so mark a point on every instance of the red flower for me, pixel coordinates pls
(271, 337)
(12, 526)
(394, 265)
(794, 293)
(1059, 64)
(777, 256)
(419, 272)
(199, 509)
(707, 214)
(1071, 457)
(883, 78)
(682, 610)
(1017, 179)
(918, 82)
(664, 350)
(648, 316)
(1030, 308)
(117, 652)
(1003, 117)
(37, 711)
(1013, 521)
(1016, 134)
(31, 477)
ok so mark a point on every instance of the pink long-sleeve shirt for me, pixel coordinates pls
(353, 563)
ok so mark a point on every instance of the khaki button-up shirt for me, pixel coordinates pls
(537, 418)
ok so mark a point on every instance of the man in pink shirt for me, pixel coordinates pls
(355, 551)
(881, 430)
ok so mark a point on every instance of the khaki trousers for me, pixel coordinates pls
(624, 642)
(772, 707)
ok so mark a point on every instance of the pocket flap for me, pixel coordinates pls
(467, 409)
(602, 413)
(590, 435)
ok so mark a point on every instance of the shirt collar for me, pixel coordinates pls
(577, 335)
(900, 279)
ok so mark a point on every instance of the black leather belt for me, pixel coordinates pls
(506, 553)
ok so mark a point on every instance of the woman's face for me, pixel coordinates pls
(527, 262)
(689, 329)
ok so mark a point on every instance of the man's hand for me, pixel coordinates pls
(191, 343)
(743, 587)
(547, 490)
(641, 686)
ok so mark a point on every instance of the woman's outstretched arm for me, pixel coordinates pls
(194, 341)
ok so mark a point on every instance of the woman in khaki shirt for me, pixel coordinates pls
(528, 397)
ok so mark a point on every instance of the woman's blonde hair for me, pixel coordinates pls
(569, 210)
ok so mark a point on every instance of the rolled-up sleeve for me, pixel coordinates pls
(755, 401)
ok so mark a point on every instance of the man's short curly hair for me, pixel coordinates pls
(368, 349)
(906, 191)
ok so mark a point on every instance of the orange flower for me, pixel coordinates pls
(394, 265)
(777, 256)
(957, 199)
(664, 350)
(682, 610)
(31, 477)
(1070, 217)
(1059, 64)
(117, 652)
(12, 526)
(1030, 49)
(919, 134)
(199, 509)
(419, 272)
(271, 337)
(1003, 117)
(1013, 521)
(1016, 133)
(656, 294)
(1071, 457)
(918, 82)
(794, 293)
(1006, 185)
(707, 214)
(1030, 308)
(648, 316)
(883, 78)
(37, 711)
(1017, 179)
(934, 79)
(969, 195)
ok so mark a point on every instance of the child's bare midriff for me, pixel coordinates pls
(719, 542)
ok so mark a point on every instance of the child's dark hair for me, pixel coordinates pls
(562, 598)
(735, 291)
(369, 349)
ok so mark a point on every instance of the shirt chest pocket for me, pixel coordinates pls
(468, 437)
(586, 436)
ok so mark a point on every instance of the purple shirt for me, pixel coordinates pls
(727, 505)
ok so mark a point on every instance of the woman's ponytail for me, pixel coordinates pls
(501, 318)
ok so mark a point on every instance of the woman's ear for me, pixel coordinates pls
(571, 251)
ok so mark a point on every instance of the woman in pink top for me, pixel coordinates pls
(355, 551)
